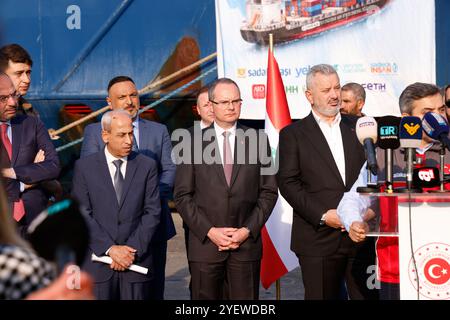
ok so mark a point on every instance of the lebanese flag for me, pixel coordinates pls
(278, 258)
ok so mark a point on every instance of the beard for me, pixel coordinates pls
(328, 111)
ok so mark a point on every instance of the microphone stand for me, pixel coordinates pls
(441, 171)
(410, 155)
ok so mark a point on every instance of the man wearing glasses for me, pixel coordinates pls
(225, 200)
(28, 157)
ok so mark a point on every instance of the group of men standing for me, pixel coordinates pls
(224, 188)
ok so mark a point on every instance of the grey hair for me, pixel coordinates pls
(213, 86)
(108, 116)
(413, 92)
(357, 89)
(324, 69)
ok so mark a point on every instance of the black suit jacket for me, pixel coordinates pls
(205, 200)
(310, 181)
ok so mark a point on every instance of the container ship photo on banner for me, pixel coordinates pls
(290, 20)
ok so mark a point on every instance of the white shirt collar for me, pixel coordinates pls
(136, 123)
(320, 121)
(220, 130)
(203, 125)
(110, 158)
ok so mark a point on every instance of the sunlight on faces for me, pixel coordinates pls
(325, 94)
(349, 103)
(226, 114)
(124, 96)
(8, 109)
(428, 104)
(204, 108)
(20, 74)
(119, 140)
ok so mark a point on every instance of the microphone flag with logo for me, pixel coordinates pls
(366, 131)
(277, 257)
(410, 132)
(388, 132)
(436, 127)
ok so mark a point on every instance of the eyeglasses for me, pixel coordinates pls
(226, 103)
(4, 99)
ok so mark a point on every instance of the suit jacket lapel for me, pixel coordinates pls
(16, 133)
(239, 139)
(132, 165)
(104, 172)
(142, 131)
(318, 141)
(218, 167)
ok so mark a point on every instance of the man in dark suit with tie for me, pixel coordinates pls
(225, 199)
(319, 159)
(117, 189)
(152, 140)
(29, 157)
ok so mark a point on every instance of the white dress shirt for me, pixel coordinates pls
(112, 168)
(136, 130)
(203, 125)
(333, 136)
(220, 137)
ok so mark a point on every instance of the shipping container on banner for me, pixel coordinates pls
(382, 44)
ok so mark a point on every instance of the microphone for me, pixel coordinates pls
(366, 131)
(388, 140)
(426, 177)
(410, 132)
(60, 234)
(436, 127)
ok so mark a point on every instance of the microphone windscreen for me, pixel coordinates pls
(366, 127)
(410, 132)
(426, 177)
(388, 132)
(434, 125)
(60, 226)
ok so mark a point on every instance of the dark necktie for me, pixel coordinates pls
(118, 179)
(18, 206)
(227, 159)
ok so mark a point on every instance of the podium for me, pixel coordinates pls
(421, 221)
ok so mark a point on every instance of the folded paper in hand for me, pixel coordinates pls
(108, 260)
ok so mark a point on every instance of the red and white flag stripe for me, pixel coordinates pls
(278, 258)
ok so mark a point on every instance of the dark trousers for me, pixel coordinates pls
(117, 289)
(323, 276)
(389, 291)
(186, 243)
(159, 254)
(241, 278)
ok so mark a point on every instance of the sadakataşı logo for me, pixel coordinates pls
(433, 269)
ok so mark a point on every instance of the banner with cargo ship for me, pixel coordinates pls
(382, 44)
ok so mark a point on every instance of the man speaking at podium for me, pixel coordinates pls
(416, 100)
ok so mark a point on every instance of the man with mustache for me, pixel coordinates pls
(152, 140)
(319, 160)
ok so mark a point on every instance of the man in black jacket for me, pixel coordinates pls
(320, 158)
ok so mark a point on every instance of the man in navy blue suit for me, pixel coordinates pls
(117, 189)
(29, 157)
(151, 140)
